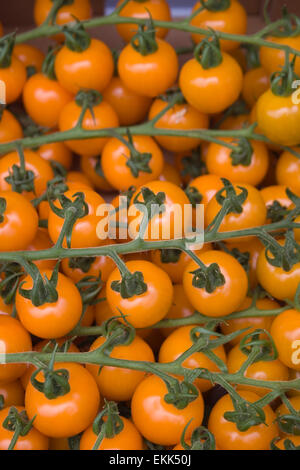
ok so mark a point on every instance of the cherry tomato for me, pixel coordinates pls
(148, 308)
(5, 309)
(288, 171)
(256, 82)
(147, 75)
(41, 242)
(211, 90)
(220, 162)
(10, 129)
(166, 425)
(227, 435)
(69, 414)
(33, 440)
(180, 341)
(224, 299)
(252, 249)
(103, 116)
(180, 117)
(273, 60)
(56, 152)
(18, 217)
(91, 167)
(130, 107)
(14, 77)
(232, 20)
(128, 439)
(79, 9)
(89, 69)
(55, 319)
(31, 57)
(13, 338)
(207, 186)
(78, 179)
(12, 393)
(117, 383)
(294, 439)
(285, 331)
(170, 173)
(180, 308)
(103, 311)
(235, 122)
(270, 194)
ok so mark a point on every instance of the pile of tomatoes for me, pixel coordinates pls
(155, 118)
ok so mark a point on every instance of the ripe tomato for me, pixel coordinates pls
(260, 370)
(91, 167)
(273, 60)
(10, 129)
(285, 331)
(166, 425)
(84, 233)
(253, 247)
(42, 242)
(277, 282)
(55, 319)
(180, 341)
(157, 9)
(117, 383)
(13, 338)
(14, 77)
(12, 393)
(79, 9)
(19, 217)
(224, 299)
(256, 82)
(180, 117)
(34, 440)
(128, 439)
(130, 107)
(288, 171)
(294, 439)
(33, 162)
(180, 308)
(270, 194)
(103, 117)
(31, 57)
(147, 75)
(227, 435)
(170, 173)
(220, 162)
(232, 20)
(235, 122)
(89, 69)
(122, 170)
(56, 152)
(278, 118)
(148, 308)
(103, 311)
(211, 90)
(207, 186)
(53, 417)
(252, 323)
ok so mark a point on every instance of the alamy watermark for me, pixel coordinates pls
(296, 94)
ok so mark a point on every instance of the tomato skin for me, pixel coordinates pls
(12, 393)
(119, 384)
(180, 308)
(294, 439)
(91, 167)
(42, 242)
(103, 311)
(147, 75)
(148, 308)
(67, 414)
(114, 162)
(56, 152)
(130, 107)
(30, 56)
(34, 440)
(285, 330)
(51, 320)
(33, 162)
(14, 78)
(228, 437)
(84, 232)
(278, 118)
(273, 60)
(233, 20)
(288, 171)
(252, 323)
(225, 299)
(10, 128)
(103, 117)
(19, 217)
(219, 162)
(180, 341)
(80, 9)
(212, 90)
(165, 426)
(170, 173)
(179, 117)
(128, 439)
(208, 186)
(14, 338)
(256, 82)
(253, 247)
(89, 69)
(273, 193)
(5, 309)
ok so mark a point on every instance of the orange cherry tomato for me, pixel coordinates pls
(52, 319)
(13, 338)
(207, 186)
(77, 179)
(170, 173)
(273, 60)
(166, 425)
(235, 122)
(288, 171)
(226, 433)
(294, 439)
(253, 247)
(285, 331)
(130, 107)
(103, 116)
(119, 166)
(117, 383)
(224, 299)
(148, 308)
(147, 75)
(14, 77)
(12, 393)
(10, 128)
(89, 69)
(42, 242)
(56, 152)
(270, 194)
(79, 9)
(180, 308)
(232, 20)
(180, 117)
(31, 57)
(256, 82)
(53, 417)
(91, 167)
(103, 311)
(5, 309)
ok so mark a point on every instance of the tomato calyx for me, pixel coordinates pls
(276, 212)
(44, 289)
(245, 414)
(242, 154)
(170, 255)
(82, 263)
(20, 179)
(152, 204)
(208, 53)
(131, 284)
(89, 288)
(234, 202)
(290, 26)
(252, 56)
(1, 402)
(174, 95)
(11, 273)
(282, 82)
(48, 64)
(6, 49)
(195, 197)
(201, 439)
(181, 393)
(2, 208)
(289, 423)
(144, 40)
(215, 5)
(287, 444)
(87, 99)
(107, 424)
(137, 162)
(208, 278)
(77, 39)
(193, 165)
(18, 423)
(283, 256)
(258, 348)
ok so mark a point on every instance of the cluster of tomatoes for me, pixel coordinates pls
(81, 88)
